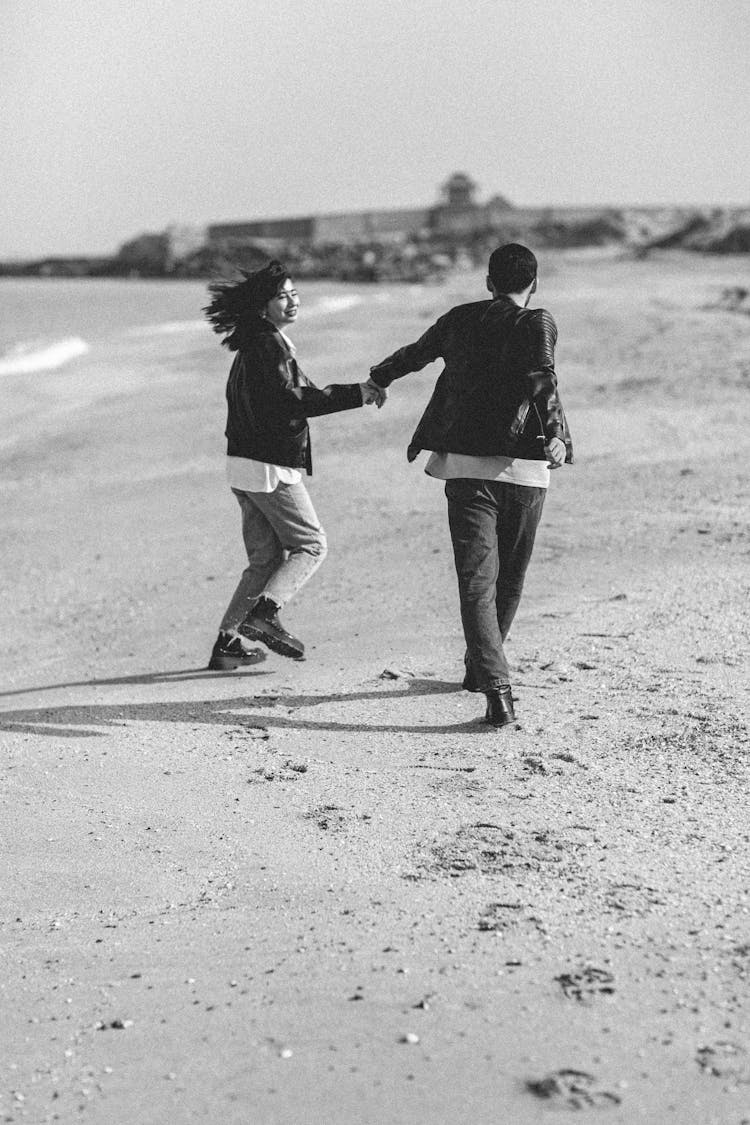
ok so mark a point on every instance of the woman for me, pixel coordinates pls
(268, 444)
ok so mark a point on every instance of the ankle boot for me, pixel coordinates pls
(231, 651)
(500, 707)
(262, 624)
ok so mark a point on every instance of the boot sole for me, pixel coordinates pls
(223, 663)
(229, 663)
(281, 648)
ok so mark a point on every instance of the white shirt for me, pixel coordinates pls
(260, 476)
(507, 470)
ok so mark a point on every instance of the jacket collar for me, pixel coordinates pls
(285, 342)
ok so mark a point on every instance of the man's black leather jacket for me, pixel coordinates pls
(497, 394)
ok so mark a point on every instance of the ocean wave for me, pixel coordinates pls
(332, 305)
(170, 328)
(28, 359)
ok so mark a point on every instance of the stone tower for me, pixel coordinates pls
(458, 191)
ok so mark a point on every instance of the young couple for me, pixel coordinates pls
(494, 426)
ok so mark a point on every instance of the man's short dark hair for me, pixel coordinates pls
(512, 268)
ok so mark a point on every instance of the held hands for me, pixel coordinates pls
(371, 392)
(555, 451)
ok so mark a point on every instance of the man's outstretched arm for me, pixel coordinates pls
(413, 357)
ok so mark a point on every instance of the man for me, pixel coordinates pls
(495, 427)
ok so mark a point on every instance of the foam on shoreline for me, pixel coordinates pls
(333, 304)
(28, 359)
(170, 328)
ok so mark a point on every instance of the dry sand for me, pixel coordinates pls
(312, 894)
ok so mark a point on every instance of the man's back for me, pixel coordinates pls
(498, 357)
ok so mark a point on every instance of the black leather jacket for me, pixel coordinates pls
(497, 394)
(270, 399)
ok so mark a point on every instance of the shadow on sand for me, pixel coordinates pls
(175, 676)
(75, 721)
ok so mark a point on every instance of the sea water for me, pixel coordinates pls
(48, 324)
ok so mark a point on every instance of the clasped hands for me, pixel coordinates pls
(371, 392)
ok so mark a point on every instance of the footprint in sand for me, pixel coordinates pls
(587, 983)
(329, 818)
(572, 1089)
(724, 1059)
(499, 916)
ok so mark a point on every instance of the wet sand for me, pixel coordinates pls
(326, 893)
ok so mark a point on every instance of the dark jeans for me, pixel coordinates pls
(493, 526)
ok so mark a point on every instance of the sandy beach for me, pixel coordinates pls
(325, 893)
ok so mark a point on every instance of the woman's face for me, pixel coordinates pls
(281, 310)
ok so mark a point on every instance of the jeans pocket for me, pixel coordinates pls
(458, 488)
(528, 496)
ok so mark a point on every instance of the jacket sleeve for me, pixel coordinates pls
(413, 357)
(541, 378)
(295, 396)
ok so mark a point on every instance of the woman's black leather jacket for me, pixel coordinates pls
(269, 400)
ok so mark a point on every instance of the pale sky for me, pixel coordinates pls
(122, 116)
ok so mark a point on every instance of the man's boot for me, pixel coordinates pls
(500, 707)
(262, 624)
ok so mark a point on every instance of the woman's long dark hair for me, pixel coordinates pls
(236, 307)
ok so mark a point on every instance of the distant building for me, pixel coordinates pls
(457, 213)
(406, 242)
(318, 230)
(457, 219)
(229, 236)
(458, 192)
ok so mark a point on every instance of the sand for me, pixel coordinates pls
(326, 893)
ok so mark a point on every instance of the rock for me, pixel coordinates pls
(395, 674)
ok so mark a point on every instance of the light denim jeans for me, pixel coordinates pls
(285, 545)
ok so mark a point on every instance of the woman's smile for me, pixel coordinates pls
(283, 308)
